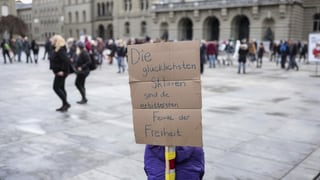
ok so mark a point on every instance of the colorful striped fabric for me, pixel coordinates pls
(170, 156)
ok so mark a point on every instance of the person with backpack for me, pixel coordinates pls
(35, 50)
(6, 50)
(242, 59)
(82, 70)
(284, 52)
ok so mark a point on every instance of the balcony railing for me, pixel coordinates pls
(106, 16)
(210, 4)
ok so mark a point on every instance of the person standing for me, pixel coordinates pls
(121, 53)
(47, 49)
(202, 55)
(284, 50)
(260, 55)
(19, 46)
(59, 64)
(82, 70)
(243, 52)
(35, 50)
(211, 52)
(189, 162)
(27, 49)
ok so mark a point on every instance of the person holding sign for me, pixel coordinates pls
(189, 162)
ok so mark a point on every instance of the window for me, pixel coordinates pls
(127, 5)
(70, 33)
(316, 22)
(143, 28)
(77, 17)
(144, 4)
(98, 8)
(84, 16)
(70, 17)
(103, 9)
(127, 28)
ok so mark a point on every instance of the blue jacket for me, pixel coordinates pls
(189, 162)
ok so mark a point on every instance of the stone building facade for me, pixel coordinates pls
(177, 19)
(7, 7)
(78, 18)
(24, 12)
(48, 18)
(235, 19)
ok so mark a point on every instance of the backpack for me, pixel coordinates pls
(93, 63)
(283, 47)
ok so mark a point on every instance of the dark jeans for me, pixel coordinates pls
(6, 53)
(59, 88)
(80, 84)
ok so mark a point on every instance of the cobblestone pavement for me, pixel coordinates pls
(262, 125)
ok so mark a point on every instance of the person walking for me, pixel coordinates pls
(82, 70)
(293, 50)
(35, 50)
(6, 50)
(59, 64)
(243, 52)
(189, 162)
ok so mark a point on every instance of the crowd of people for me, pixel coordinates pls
(285, 53)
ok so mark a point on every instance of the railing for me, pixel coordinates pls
(214, 4)
(107, 16)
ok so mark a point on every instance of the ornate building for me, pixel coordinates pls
(235, 19)
(177, 19)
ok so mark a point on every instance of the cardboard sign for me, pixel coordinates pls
(166, 61)
(166, 93)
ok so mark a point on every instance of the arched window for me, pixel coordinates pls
(84, 15)
(127, 28)
(111, 6)
(108, 7)
(316, 22)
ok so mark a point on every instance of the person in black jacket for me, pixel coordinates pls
(35, 50)
(243, 53)
(60, 65)
(82, 68)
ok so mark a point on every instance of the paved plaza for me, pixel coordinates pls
(264, 125)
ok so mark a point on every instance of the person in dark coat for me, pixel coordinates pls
(202, 56)
(189, 162)
(82, 68)
(27, 49)
(243, 52)
(6, 50)
(260, 55)
(35, 50)
(60, 65)
(47, 49)
(293, 50)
